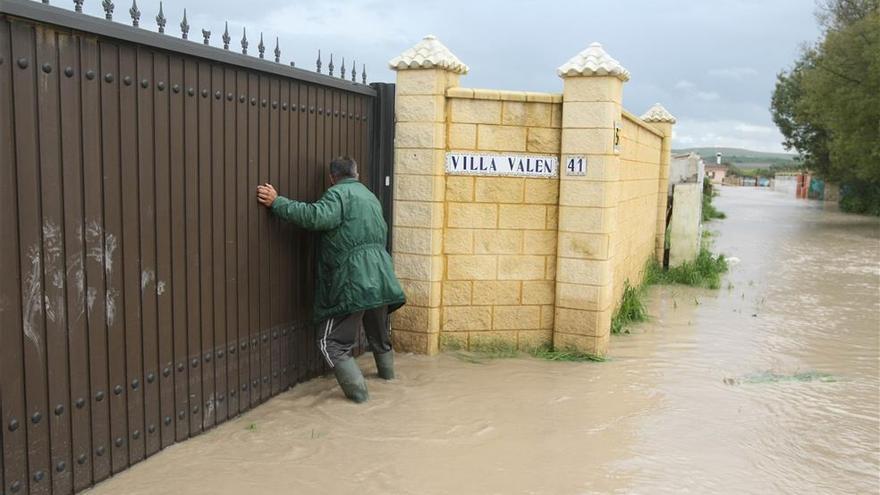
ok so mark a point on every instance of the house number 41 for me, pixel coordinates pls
(576, 165)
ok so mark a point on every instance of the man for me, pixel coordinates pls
(356, 281)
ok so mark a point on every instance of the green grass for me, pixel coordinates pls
(705, 271)
(773, 377)
(570, 355)
(251, 427)
(631, 310)
(709, 210)
(488, 350)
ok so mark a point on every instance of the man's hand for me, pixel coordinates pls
(266, 195)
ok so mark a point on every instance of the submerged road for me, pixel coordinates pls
(768, 385)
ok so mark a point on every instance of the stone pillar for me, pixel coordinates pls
(591, 111)
(663, 121)
(424, 73)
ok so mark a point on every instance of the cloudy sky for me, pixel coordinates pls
(712, 63)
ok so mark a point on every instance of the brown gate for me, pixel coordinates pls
(144, 295)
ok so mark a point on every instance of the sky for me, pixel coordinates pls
(711, 63)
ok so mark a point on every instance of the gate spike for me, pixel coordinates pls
(206, 35)
(184, 26)
(78, 5)
(226, 38)
(244, 42)
(160, 19)
(342, 69)
(277, 51)
(261, 47)
(364, 74)
(330, 65)
(318, 62)
(135, 13)
(354, 72)
(108, 9)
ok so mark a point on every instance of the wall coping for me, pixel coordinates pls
(503, 95)
(638, 121)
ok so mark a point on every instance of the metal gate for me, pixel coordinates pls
(145, 296)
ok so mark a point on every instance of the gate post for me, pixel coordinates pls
(424, 72)
(663, 121)
(591, 115)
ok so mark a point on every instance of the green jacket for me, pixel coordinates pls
(355, 272)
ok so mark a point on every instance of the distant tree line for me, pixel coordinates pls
(827, 105)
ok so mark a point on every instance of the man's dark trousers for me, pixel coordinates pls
(337, 336)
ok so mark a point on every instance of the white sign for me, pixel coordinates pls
(488, 164)
(575, 165)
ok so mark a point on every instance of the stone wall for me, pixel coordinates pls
(521, 262)
(499, 238)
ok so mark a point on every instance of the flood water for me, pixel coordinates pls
(768, 385)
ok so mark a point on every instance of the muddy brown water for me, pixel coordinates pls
(769, 385)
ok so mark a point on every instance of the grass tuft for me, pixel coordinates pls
(705, 271)
(631, 310)
(570, 355)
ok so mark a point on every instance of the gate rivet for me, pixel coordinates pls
(160, 85)
(23, 63)
(284, 106)
(145, 84)
(244, 386)
(190, 91)
(166, 371)
(15, 486)
(13, 424)
(181, 414)
(135, 384)
(221, 397)
(59, 410)
(176, 88)
(60, 466)
(118, 441)
(99, 451)
(208, 358)
(204, 93)
(220, 354)
(108, 77)
(80, 403)
(195, 362)
(265, 379)
(151, 377)
(38, 476)
(302, 108)
(244, 345)
(180, 367)
(136, 434)
(36, 418)
(68, 71)
(232, 349)
(127, 80)
(311, 109)
(241, 98)
(232, 393)
(81, 459)
(229, 96)
(256, 383)
(90, 74)
(253, 342)
(265, 338)
(195, 409)
(151, 429)
(117, 389)
(167, 420)
(274, 104)
(217, 95)
(275, 375)
(275, 335)
(253, 101)
(321, 111)
(99, 396)
(263, 103)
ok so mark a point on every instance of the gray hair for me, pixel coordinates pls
(342, 167)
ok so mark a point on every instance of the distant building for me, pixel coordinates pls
(716, 173)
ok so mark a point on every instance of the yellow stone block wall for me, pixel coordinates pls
(499, 233)
(640, 170)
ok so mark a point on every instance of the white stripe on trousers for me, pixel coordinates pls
(327, 329)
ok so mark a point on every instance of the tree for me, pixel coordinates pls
(828, 105)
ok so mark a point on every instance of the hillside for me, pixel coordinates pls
(748, 158)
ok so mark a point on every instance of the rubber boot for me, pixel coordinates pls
(351, 380)
(385, 364)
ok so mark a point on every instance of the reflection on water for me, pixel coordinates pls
(769, 385)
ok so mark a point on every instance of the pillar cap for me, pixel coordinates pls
(657, 114)
(594, 61)
(429, 53)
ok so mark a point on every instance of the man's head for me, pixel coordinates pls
(342, 167)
